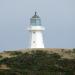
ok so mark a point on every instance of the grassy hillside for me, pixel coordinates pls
(38, 62)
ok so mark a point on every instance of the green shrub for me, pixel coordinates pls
(74, 50)
(15, 53)
(1, 56)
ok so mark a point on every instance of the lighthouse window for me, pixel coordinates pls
(33, 41)
(34, 32)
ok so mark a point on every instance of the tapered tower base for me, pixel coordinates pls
(36, 37)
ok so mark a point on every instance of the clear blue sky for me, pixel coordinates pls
(58, 17)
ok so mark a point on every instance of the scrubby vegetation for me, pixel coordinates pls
(15, 53)
(38, 63)
(74, 50)
(0, 56)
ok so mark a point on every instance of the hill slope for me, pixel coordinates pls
(38, 62)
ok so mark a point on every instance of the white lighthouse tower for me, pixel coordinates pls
(36, 30)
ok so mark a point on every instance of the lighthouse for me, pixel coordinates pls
(36, 30)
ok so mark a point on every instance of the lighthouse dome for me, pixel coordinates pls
(35, 20)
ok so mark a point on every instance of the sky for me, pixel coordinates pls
(58, 18)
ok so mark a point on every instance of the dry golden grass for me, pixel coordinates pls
(3, 66)
(65, 53)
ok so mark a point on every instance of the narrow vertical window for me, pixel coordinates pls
(34, 32)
